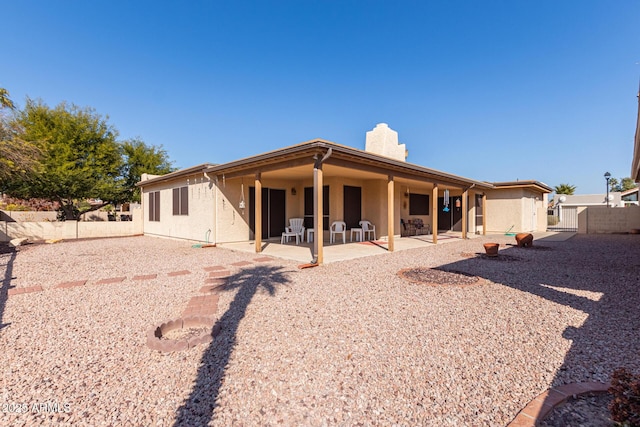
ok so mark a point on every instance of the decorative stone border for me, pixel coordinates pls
(155, 341)
(27, 290)
(542, 405)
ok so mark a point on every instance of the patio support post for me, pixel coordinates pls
(465, 213)
(434, 212)
(391, 222)
(258, 213)
(484, 214)
(318, 241)
(318, 249)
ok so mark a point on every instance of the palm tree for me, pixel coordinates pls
(565, 189)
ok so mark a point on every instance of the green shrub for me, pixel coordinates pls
(552, 220)
(14, 207)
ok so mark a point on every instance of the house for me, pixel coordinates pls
(630, 197)
(566, 200)
(252, 199)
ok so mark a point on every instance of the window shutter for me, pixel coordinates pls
(176, 201)
(157, 206)
(184, 201)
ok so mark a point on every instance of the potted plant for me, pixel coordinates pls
(491, 249)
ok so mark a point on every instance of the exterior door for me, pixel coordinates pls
(273, 212)
(308, 207)
(352, 206)
(452, 220)
(277, 213)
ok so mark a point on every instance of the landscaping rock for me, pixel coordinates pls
(19, 242)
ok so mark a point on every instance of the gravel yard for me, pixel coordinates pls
(347, 343)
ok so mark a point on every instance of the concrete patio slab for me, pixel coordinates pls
(339, 251)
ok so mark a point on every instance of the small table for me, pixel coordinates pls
(310, 233)
(288, 234)
(358, 232)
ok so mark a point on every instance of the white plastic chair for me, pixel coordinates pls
(368, 228)
(296, 225)
(338, 227)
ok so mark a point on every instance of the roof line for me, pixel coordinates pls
(324, 144)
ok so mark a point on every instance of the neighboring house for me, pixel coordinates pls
(630, 197)
(574, 200)
(321, 181)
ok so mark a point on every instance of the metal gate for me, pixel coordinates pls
(563, 218)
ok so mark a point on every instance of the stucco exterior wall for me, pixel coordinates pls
(374, 192)
(230, 222)
(523, 209)
(197, 225)
(504, 210)
(215, 212)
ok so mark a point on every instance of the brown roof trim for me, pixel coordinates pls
(319, 146)
(177, 174)
(541, 186)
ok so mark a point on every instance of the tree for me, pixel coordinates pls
(624, 184)
(565, 189)
(627, 184)
(81, 157)
(17, 157)
(140, 158)
(5, 100)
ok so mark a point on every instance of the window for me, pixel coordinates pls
(181, 201)
(154, 206)
(418, 204)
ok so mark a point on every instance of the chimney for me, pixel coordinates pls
(383, 140)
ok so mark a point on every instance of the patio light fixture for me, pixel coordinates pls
(607, 176)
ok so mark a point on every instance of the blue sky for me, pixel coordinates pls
(490, 90)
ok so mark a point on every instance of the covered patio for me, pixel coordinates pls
(322, 182)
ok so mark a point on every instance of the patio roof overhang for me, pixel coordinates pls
(532, 185)
(304, 154)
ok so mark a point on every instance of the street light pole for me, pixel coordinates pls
(607, 176)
